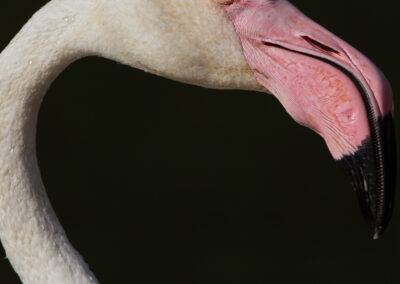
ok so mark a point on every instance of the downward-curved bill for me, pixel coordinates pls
(328, 86)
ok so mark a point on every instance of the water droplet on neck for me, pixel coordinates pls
(30, 62)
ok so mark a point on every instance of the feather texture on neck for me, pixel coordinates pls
(189, 41)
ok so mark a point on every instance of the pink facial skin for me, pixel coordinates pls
(278, 43)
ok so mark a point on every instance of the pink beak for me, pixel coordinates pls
(330, 87)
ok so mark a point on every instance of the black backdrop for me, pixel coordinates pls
(156, 181)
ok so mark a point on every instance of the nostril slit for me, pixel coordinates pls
(320, 45)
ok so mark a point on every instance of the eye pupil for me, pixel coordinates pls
(320, 45)
(225, 2)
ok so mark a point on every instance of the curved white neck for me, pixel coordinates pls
(33, 238)
(200, 48)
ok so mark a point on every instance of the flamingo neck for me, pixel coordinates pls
(34, 241)
(188, 41)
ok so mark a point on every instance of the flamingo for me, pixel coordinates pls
(262, 45)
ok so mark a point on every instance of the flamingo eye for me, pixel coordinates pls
(225, 2)
(319, 45)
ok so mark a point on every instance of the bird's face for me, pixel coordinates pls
(328, 86)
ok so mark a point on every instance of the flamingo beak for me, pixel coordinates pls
(330, 87)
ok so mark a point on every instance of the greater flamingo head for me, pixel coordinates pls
(328, 86)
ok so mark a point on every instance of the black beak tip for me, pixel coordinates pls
(378, 233)
(372, 172)
(379, 230)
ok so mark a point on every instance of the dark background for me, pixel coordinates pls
(156, 181)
